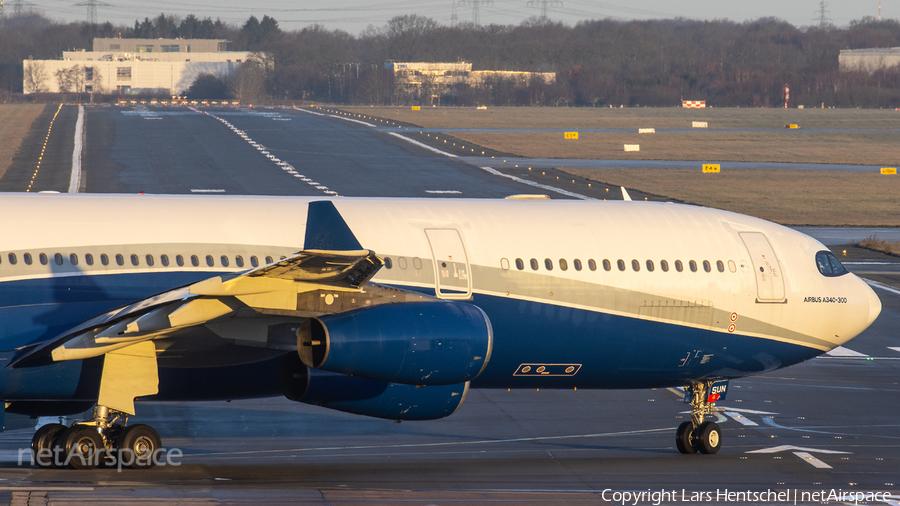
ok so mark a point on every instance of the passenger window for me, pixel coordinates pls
(210, 261)
(73, 259)
(606, 265)
(195, 261)
(650, 265)
(592, 265)
(12, 258)
(417, 263)
(635, 265)
(268, 260)
(43, 258)
(150, 260)
(179, 260)
(520, 264)
(679, 266)
(135, 260)
(164, 259)
(534, 264)
(720, 266)
(693, 266)
(120, 259)
(563, 265)
(548, 264)
(224, 260)
(254, 261)
(731, 266)
(89, 259)
(239, 261)
(58, 258)
(104, 259)
(577, 264)
(664, 265)
(620, 264)
(388, 263)
(706, 266)
(27, 258)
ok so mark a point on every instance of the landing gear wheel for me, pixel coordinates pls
(44, 441)
(709, 437)
(684, 440)
(82, 446)
(138, 446)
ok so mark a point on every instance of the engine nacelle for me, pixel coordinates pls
(418, 343)
(362, 396)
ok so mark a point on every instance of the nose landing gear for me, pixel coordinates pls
(699, 435)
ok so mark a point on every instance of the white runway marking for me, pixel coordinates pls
(895, 348)
(741, 419)
(812, 460)
(75, 178)
(840, 351)
(203, 190)
(882, 286)
(455, 192)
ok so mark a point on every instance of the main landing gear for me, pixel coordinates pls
(698, 435)
(103, 440)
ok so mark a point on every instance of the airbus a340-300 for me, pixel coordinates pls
(394, 308)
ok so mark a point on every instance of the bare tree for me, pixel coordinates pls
(247, 83)
(70, 79)
(35, 76)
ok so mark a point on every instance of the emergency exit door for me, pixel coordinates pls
(452, 279)
(769, 279)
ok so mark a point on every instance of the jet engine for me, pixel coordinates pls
(362, 396)
(417, 343)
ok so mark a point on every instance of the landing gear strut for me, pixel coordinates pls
(100, 440)
(699, 435)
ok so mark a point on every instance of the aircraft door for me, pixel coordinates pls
(769, 280)
(452, 279)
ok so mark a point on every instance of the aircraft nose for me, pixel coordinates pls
(874, 306)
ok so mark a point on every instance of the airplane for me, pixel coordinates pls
(393, 308)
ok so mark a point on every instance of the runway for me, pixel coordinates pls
(830, 424)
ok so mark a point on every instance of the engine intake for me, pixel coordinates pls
(420, 343)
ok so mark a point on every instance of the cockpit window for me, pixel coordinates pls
(829, 265)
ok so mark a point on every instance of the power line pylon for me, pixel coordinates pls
(545, 6)
(476, 8)
(823, 13)
(454, 19)
(92, 9)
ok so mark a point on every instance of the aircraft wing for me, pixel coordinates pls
(329, 276)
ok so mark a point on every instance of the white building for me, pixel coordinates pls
(132, 65)
(423, 79)
(868, 60)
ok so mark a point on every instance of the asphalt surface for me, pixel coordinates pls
(830, 424)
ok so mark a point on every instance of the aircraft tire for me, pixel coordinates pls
(684, 438)
(139, 446)
(82, 446)
(709, 438)
(45, 439)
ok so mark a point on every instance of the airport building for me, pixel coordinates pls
(421, 79)
(868, 60)
(132, 66)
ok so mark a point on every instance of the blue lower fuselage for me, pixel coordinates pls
(536, 345)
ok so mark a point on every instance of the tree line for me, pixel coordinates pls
(597, 63)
